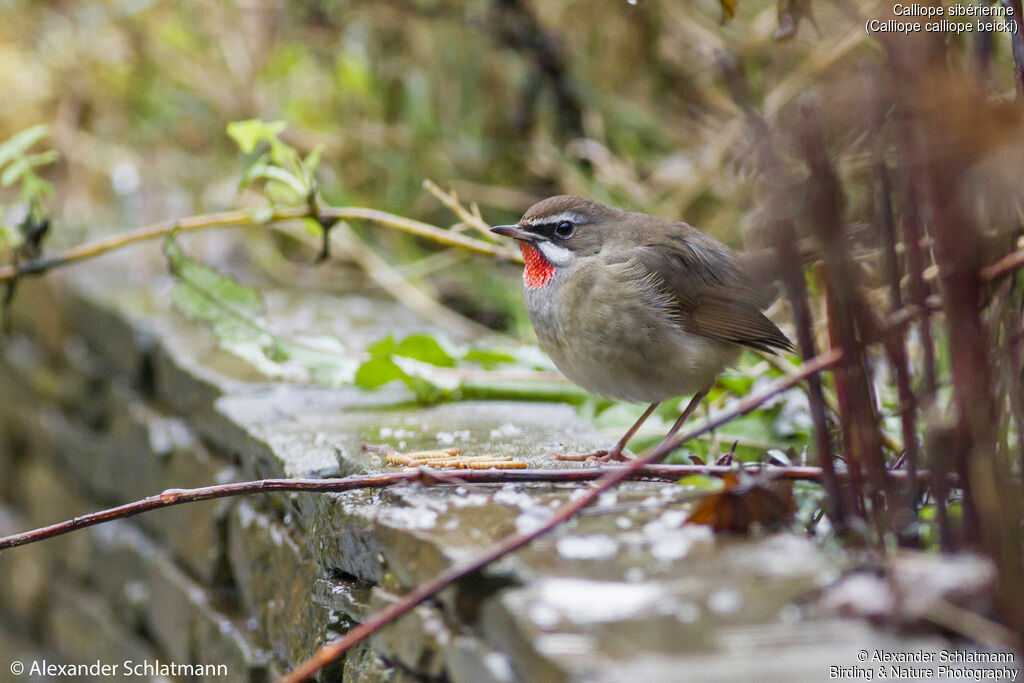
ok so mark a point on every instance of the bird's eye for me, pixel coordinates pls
(565, 229)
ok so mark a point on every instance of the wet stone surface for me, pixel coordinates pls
(114, 396)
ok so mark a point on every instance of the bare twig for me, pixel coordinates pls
(859, 416)
(1008, 264)
(95, 248)
(792, 276)
(894, 341)
(173, 497)
(451, 201)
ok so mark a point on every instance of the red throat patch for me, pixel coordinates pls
(538, 271)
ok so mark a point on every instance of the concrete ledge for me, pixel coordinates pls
(110, 395)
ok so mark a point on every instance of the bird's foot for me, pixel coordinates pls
(596, 458)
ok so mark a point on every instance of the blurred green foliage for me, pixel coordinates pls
(18, 168)
(397, 92)
(508, 101)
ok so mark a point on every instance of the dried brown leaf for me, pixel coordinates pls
(767, 503)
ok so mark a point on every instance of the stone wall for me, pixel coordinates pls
(108, 395)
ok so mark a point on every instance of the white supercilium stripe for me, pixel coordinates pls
(555, 219)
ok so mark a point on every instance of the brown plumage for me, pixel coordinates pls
(634, 306)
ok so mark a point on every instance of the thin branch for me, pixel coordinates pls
(1012, 262)
(97, 247)
(103, 245)
(843, 296)
(895, 343)
(173, 497)
(793, 277)
(421, 229)
(330, 652)
(1008, 264)
(451, 200)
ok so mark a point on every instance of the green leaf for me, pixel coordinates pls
(382, 348)
(313, 227)
(42, 159)
(249, 133)
(487, 359)
(233, 311)
(425, 390)
(312, 159)
(520, 390)
(533, 357)
(324, 359)
(284, 156)
(377, 372)
(279, 193)
(223, 291)
(235, 334)
(703, 482)
(14, 172)
(253, 172)
(289, 180)
(287, 184)
(755, 427)
(230, 308)
(10, 237)
(739, 385)
(424, 348)
(21, 169)
(33, 187)
(17, 144)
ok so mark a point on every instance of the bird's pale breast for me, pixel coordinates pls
(613, 336)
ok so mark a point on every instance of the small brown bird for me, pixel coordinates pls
(636, 307)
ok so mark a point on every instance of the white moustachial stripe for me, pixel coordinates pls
(556, 255)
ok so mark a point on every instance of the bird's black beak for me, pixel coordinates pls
(515, 232)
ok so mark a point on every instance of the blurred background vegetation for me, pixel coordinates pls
(506, 101)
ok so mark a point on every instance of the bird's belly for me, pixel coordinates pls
(627, 353)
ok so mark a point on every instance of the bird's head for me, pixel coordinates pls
(557, 230)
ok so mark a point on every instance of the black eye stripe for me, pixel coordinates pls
(549, 230)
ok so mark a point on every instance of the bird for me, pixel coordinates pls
(636, 307)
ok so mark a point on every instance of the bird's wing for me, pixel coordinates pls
(707, 290)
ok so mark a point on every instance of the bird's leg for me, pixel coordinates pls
(690, 407)
(616, 452)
